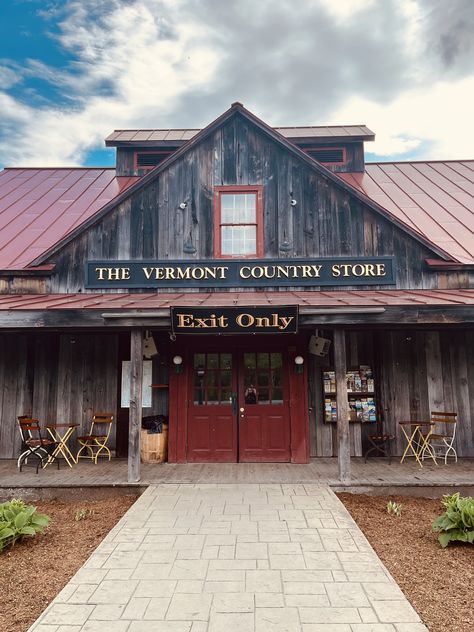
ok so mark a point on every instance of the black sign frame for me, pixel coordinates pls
(225, 273)
(222, 321)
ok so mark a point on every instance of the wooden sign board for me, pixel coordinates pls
(235, 320)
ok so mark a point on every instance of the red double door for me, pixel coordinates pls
(238, 405)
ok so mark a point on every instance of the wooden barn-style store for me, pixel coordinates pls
(273, 295)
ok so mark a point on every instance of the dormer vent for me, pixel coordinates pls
(147, 160)
(327, 155)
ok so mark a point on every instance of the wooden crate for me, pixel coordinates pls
(154, 447)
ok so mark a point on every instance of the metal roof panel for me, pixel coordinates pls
(47, 205)
(434, 197)
(359, 298)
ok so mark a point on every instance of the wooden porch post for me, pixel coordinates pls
(135, 423)
(343, 438)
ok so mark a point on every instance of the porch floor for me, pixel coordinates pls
(376, 473)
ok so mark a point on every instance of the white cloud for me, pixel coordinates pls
(346, 9)
(154, 63)
(144, 72)
(439, 115)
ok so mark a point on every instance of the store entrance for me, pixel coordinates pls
(238, 406)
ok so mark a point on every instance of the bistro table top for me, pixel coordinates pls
(65, 425)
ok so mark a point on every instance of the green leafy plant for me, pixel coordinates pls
(18, 520)
(81, 514)
(457, 522)
(393, 508)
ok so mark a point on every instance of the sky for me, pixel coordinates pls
(72, 71)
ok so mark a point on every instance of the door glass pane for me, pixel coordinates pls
(276, 360)
(212, 378)
(226, 394)
(263, 379)
(212, 360)
(226, 361)
(226, 378)
(277, 396)
(266, 380)
(212, 395)
(249, 360)
(199, 359)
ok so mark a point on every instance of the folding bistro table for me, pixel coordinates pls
(61, 433)
(417, 440)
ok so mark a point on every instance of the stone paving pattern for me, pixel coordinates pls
(223, 557)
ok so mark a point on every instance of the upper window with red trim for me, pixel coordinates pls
(238, 223)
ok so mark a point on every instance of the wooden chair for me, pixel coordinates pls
(379, 443)
(441, 439)
(95, 443)
(34, 445)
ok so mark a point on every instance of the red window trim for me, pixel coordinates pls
(258, 190)
(319, 148)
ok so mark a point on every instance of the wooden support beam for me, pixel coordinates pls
(135, 423)
(343, 437)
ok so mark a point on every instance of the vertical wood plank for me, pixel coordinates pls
(343, 442)
(136, 369)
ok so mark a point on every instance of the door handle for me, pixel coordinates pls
(233, 401)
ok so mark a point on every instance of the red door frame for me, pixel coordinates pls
(179, 387)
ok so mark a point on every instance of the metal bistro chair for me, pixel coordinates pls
(95, 443)
(441, 440)
(34, 444)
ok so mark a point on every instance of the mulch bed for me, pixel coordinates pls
(438, 582)
(34, 571)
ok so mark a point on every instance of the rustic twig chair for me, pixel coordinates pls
(94, 444)
(34, 444)
(441, 440)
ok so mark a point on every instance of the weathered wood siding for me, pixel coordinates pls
(326, 221)
(416, 372)
(63, 377)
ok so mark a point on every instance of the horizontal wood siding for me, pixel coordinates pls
(326, 221)
(416, 372)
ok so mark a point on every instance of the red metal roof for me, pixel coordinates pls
(121, 136)
(38, 207)
(345, 298)
(434, 198)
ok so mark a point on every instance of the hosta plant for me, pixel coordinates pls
(18, 520)
(457, 522)
(394, 509)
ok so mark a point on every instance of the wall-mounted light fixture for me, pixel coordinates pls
(299, 364)
(293, 202)
(285, 246)
(189, 248)
(183, 205)
(178, 364)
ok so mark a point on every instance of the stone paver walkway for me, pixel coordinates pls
(225, 558)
